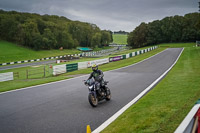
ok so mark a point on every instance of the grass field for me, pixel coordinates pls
(166, 105)
(23, 82)
(120, 39)
(11, 52)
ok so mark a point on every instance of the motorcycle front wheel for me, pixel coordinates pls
(108, 94)
(92, 100)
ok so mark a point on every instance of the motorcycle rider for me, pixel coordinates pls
(98, 77)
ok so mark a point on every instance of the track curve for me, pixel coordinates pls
(63, 106)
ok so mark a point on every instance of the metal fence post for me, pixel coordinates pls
(44, 71)
(26, 73)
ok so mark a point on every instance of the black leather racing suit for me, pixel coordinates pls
(98, 77)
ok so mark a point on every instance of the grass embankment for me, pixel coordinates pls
(165, 106)
(15, 84)
(10, 52)
(120, 38)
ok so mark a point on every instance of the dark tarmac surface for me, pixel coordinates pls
(63, 107)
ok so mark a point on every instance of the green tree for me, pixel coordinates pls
(67, 41)
(9, 27)
(105, 38)
(139, 36)
(96, 40)
(30, 30)
(155, 34)
(48, 31)
(170, 29)
(37, 41)
(50, 41)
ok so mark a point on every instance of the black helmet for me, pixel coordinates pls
(94, 67)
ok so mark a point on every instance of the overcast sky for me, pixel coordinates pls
(111, 15)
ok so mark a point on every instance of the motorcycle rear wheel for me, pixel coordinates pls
(92, 100)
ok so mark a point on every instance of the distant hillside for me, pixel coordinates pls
(49, 31)
(120, 38)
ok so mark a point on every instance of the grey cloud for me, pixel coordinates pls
(107, 14)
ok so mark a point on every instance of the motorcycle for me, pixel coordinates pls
(94, 96)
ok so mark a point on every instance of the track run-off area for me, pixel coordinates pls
(63, 106)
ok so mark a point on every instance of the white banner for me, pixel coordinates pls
(6, 76)
(127, 56)
(82, 65)
(98, 62)
(59, 69)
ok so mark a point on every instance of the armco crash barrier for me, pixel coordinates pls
(59, 69)
(127, 56)
(81, 65)
(130, 55)
(124, 56)
(57, 57)
(191, 123)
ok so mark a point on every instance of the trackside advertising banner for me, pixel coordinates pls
(116, 58)
(59, 69)
(98, 62)
(82, 65)
(6, 76)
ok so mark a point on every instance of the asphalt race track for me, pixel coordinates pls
(27, 64)
(63, 107)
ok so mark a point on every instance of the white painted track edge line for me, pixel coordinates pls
(116, 115)
(138, 62)
(20, 89)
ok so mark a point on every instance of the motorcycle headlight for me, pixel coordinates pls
(90, 87)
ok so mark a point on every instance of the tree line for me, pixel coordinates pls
(120, 32)
(50, 31)
(170, 29)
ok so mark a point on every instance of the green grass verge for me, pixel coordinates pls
(177, 45)
(120, 39)
(166, 105)
(21, 83)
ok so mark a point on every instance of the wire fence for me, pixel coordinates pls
(34, 72)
